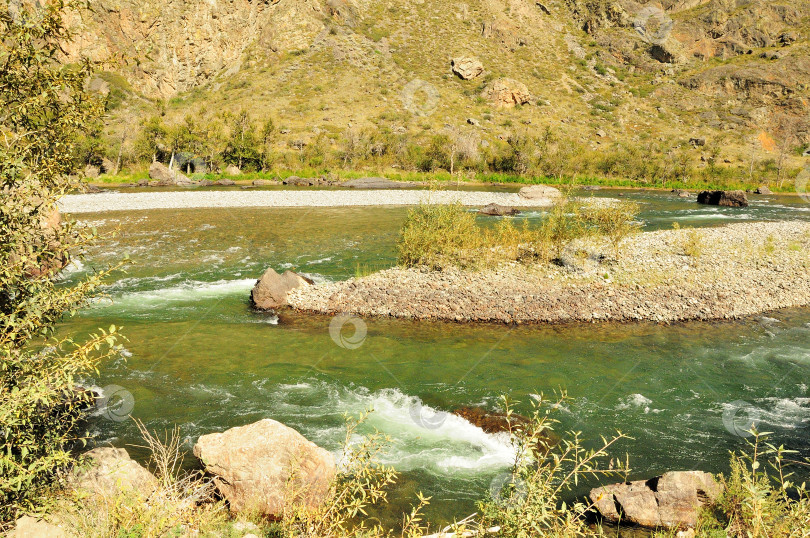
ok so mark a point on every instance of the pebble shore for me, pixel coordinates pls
(131, 201)
(741, 270)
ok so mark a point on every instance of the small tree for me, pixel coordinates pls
(46, 108)
(615, 221)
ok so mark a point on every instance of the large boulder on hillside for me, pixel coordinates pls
(506, 93)
(497, 210)
(467, 68)
(672, 500)
(540, 192)
(270, 291)
(253, 465)
(110, 471)
(372, 183)
(723, 198)
(161, 175)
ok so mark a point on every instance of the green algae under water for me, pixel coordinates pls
(197, 356)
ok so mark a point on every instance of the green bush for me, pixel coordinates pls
(439, 236)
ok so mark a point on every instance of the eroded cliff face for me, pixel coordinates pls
(176, 45)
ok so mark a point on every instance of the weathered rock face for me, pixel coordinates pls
(252, 464)
(538, 192)
(270, 291)
(507, 92)
(467, 68)
(161, 174)
(189, 50)
(672, 500)
(723, 198)
(497, 210)
(111, 471)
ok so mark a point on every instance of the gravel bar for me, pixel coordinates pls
(737, 270)
(117, 201)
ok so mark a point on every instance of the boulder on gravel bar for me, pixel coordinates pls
(270, 291)
(161, 174)
(763, 189)
(253, 465)
(672, 500)
(467, 68)
(723, 198)
(497, 210)
(225, 182)
(111, 471)
(372, 183)
(539, 192)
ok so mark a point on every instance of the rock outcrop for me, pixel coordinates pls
(672, 500)
(467, 68)
(162, 176)
(506, 93)
(257, 467)
(270, 291)
(723, 198)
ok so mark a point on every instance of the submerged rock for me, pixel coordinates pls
(723, 198)
(253, 465)
(489, 421)
(270, 291)
(672, 500)
(681, 193)
(497, 210)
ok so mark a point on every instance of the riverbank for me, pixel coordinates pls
(118, 201)
(664, 276)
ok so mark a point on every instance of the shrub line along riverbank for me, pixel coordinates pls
(115, 201)
(665, 276)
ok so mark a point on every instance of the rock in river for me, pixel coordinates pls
(497, 210)
(270, 291)
(672, 500)
(373, 183)
(252, 466)
(723, 198)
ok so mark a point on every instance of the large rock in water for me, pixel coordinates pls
(723, 198)
(507, 93)
(112, 471)
(539, 192)
(252, 465)
(467, 68)
(672, 500)
(270, 291)
(497, 210)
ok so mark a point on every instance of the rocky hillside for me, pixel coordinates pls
(600, 72)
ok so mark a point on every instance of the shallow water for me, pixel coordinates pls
(199, 357)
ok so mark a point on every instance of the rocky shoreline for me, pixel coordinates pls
(664, 276)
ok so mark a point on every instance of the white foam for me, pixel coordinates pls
(190, 290)
(636, 400)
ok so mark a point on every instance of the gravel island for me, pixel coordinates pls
(665, 276)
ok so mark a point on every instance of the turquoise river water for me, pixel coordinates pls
(199, 357)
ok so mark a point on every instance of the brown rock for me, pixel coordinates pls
(672, 500)
(161, 174)
(497, 210)
(31, 527)
(233, 171)
(111, 471)
(467, 68)
(252, 466)
(507, 93)
(723, 198)
(763, 189)
(270, 291)
(225, 182)
(264, 182)
(91, 172)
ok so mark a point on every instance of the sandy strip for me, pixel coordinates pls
(117, 201)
